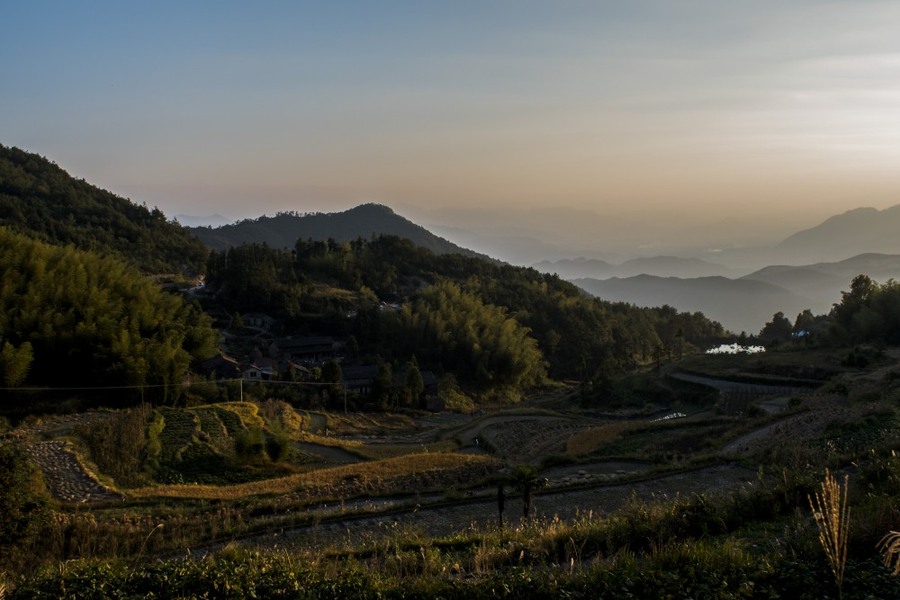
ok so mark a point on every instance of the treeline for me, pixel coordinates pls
(41, 200)
(491, 306)
(868, 312)
(72, 318)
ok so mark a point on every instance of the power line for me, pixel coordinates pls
(162, 385)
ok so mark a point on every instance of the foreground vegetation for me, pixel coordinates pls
(74, 318)
(759, 540)
(758, 543)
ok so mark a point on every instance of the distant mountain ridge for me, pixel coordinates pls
(215, 220)
(855, 232)
(747, 303)
(738, 304)
(826, 280)
(662, 266)
(364, 221)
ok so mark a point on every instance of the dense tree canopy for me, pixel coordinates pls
(486, 322)
(69, 317)
(41, 200)
(456, 330)
(778, 330)
(868, 312)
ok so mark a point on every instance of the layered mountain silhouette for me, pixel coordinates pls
(747, 303)
(364, 221)
(827, 280)
(663, 266)
(859, 231)
(738, 304)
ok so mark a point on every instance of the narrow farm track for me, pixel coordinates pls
(732, 387)
(445, 519)
(328, 454)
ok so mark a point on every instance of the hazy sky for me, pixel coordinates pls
(739, 109)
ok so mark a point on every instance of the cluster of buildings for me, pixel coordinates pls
(294, 358)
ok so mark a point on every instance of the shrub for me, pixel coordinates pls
(24, 515)
(118, 444)
(278, 447)
(250, 445)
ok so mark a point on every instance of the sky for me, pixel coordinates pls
(762, 113)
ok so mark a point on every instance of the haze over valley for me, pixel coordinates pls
(740, 287)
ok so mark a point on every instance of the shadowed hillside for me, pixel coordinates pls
(823, 282)
(739, 304)
(39, 199)
(365, 221)
(661, 266)
(854, 232)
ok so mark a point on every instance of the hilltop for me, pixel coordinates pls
(365, 221)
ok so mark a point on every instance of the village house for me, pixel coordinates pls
(314, 350)
(360, 378)
(259, 321)
(220, 366)
(260, 369)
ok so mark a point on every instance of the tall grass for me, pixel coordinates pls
(831, 512)
(890, 549)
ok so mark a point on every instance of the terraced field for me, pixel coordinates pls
(349, 475)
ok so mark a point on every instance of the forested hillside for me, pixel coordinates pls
(73, 318)
(79, 317)
(473, 317)
(365, 221)
(39, 199)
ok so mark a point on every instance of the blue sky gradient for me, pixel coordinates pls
(702, 107)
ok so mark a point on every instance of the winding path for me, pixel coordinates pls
(739, 387)
(481, 513)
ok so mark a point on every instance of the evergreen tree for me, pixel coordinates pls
(776, 331)
(24, 515)
(383, 387)
(15, 362)
(331, 373)
(413, 383)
